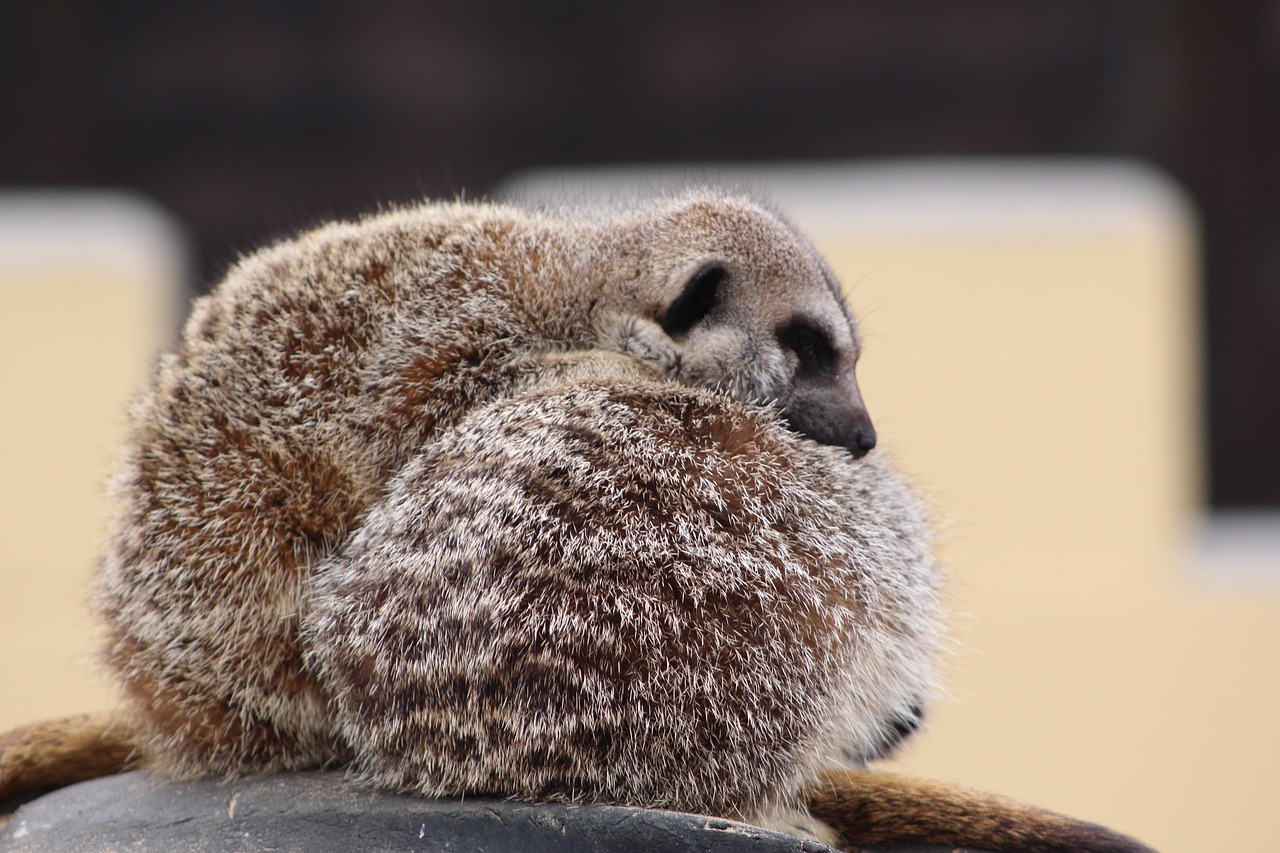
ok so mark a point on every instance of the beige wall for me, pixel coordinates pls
(1031, 361)
(89, 292)
(1034, 364)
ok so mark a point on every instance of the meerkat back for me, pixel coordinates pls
(627, 592)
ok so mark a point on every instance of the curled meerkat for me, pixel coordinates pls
(607, 587)
(308, 378)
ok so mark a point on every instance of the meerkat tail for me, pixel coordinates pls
(870, 808)
(54, 753)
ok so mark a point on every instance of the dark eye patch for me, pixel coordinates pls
(694, 302)
(811, 345)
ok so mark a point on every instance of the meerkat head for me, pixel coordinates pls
(726, 295)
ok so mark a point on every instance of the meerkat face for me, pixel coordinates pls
(737, 301)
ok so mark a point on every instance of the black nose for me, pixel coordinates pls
(850, 430)
(830, 417)
(855, 432)
(863, 440)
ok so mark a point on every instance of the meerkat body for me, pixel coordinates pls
(624, 590)
(318, 368)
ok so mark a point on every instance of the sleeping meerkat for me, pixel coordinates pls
(301, 466)
(307, 379)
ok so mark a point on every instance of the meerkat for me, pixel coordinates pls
(317, 381)
(306, 380)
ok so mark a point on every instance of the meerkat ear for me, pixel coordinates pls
(699, 296)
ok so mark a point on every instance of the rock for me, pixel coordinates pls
(320, 812)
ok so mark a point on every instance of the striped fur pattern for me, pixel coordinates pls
(632, 592)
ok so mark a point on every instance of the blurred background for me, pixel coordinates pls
(1082, 368)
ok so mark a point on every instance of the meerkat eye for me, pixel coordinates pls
(811, 345)
(694, 302)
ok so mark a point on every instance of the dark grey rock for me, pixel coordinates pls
(319, 812)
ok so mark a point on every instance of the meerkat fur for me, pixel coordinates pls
(319, 367)
(630, 592)
(613, 588)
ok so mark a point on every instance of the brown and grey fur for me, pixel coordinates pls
(629, 592)
(321, 366)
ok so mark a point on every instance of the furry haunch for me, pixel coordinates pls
(632, 592)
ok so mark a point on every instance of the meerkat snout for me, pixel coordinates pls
(831, 411)
(825, 402)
